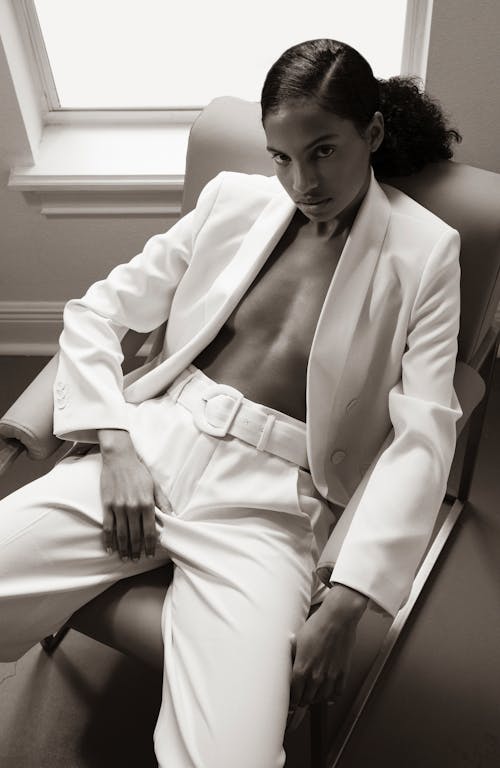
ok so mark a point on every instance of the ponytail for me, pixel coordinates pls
(416, 130)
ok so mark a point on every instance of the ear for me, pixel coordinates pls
(375, 131)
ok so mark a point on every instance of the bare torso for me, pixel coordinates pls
(264, 346)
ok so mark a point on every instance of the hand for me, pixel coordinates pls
(128, 495)
(322, 649)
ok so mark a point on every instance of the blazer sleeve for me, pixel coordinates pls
(88, 388)
(390, 517)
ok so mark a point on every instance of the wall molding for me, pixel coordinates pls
(76, 197)
(82, 206)
(30, 327)
(33, 327)
(27, 180)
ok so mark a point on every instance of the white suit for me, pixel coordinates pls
(245, 526)
(381, 408)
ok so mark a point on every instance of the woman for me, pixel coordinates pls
(307, 366)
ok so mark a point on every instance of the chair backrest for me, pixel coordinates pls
(228, 136)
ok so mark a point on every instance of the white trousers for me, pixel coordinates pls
(244, 532)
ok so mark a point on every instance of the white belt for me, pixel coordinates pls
(221, 410)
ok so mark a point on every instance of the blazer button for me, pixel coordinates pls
(337, 457)
(61, 399)
(351, 405)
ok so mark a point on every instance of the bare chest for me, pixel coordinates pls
(283, 304)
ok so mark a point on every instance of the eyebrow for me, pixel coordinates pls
(312, 143)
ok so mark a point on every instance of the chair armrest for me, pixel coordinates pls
(9, 451)
(470, 388)
(30, 419)
(29, 422)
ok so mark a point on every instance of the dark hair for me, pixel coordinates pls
(341, 81)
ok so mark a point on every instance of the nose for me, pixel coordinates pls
(304, 182)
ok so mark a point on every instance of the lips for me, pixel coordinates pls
(317, 201)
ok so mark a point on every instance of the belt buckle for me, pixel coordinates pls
(199, 415)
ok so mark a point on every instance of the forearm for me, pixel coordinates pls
(88, 391)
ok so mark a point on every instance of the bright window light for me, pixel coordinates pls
(139, 54)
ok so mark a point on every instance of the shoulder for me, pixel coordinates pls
(418, 243)
(409, 219)
(235, 199)
(240, 188)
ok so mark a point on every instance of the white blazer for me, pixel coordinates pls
(381, 408)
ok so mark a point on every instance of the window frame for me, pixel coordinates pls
(82, 132)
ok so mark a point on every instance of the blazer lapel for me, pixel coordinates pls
(337, 323)
(223, 296)
(249, 259)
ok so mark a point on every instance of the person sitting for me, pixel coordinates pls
(307, 368)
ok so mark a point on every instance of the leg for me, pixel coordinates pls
(51, 556)
(242, 588)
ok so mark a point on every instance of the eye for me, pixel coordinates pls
(325, 150)
(280, 159)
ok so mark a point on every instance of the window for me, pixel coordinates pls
(108, 89)
(160, 54)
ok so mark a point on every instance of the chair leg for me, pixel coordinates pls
(318, 722)
(50, 643)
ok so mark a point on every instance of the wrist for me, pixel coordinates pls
(346, 601)
(113, 441)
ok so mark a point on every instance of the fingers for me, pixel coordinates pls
(126, 527)
(305, 689)
(135, 524)
(300, 677)
(108, 529)
(135, 534)
(314, 680)
(149, 531)
(122, 531)
(141, 527)
(311, 687)
(128, 508)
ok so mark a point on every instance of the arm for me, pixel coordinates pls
(390, 517)
(394, 514)
(88, 389)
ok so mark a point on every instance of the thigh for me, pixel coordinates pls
(227, 653)
(52, 558)
(241, 590)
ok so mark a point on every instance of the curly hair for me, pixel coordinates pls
(341, 81)
(416, 129)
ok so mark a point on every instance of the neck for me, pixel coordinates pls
(340, 226)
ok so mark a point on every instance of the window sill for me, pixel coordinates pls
(92, 169)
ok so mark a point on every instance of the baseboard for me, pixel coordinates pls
(30, 327)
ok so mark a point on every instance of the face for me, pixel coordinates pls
(322, 160)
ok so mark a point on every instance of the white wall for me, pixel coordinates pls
(463, 71)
